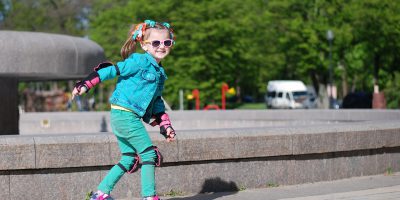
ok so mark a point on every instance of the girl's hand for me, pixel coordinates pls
(76, 92)
(170, 134)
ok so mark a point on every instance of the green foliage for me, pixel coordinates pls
(242, 43)
(216, 42)
(173, 193)
(392, 88)
(252, 106)
(64, 16)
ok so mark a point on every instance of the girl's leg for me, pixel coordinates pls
(120, 124)
(128, 125)
(116, 172)
(141, 141)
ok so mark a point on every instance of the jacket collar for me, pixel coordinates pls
(155, 64)
(151, 59)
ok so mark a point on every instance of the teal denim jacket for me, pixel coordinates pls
(139, 86)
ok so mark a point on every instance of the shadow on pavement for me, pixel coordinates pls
(212, 188)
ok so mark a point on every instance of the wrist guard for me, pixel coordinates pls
(162, 119)
(93, 79)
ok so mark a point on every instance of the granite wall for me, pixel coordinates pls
(47, 166)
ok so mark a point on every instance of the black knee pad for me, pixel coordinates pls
(135, 163)
(158, 160)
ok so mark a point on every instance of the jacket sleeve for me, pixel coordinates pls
(159, 106)
(123, 68)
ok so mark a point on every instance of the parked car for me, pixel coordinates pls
(312, 98)
(286, 94)
(358, 100)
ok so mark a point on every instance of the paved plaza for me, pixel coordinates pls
(380, 187)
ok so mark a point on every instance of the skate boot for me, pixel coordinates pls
(99, 196)
(152, 198)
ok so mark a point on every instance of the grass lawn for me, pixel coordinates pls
(252, 106)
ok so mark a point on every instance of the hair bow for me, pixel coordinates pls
(138, 32)
(150, 23)
(166, 24)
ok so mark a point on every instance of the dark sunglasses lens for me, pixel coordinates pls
(156, 43)
(168, 43)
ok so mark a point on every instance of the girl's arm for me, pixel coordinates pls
(105, 71)
(162, 119)
(91, 80)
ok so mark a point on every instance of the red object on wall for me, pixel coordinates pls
(196, 95)
(224, 89)
(378, 101)
(211, 107)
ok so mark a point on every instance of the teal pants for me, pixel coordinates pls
(132, 138)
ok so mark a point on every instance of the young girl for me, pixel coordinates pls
(137, 96)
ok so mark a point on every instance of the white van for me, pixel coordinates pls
(286, 94)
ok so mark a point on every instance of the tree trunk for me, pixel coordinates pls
(377, 59)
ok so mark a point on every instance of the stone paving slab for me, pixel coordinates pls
(385, 193)
(381, 187)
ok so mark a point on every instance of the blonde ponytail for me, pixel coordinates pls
(129, 46)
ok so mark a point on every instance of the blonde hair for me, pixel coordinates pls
(129, 46)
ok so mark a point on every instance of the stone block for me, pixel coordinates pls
(395, 159)
(387, 137)
(270, 172)
(202, 178)
(5, 184)
(352, 164)
(129, 186)
(66, 184)
(115, 154)
(356, 140)
(368, 163)
(314, 143)
(25, 185)
(249, 146)
(206, 149)
(169, 150)
(384, 162)
(72, 151)
(311, 168)
(223, 176)
(52, 184)
(389, 160)
(17, 153)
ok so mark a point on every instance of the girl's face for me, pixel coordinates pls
(158, 44)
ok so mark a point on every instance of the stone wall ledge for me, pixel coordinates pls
(100, 149)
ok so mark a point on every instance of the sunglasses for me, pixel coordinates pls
(157, 43)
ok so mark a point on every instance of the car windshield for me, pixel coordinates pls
(271, 94)
(299, 94)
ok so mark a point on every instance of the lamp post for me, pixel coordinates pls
(330, 36)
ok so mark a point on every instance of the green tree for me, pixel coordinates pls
(5, 6)
(242, 43)
(217, 42)
(65, 16)
(378, 28)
